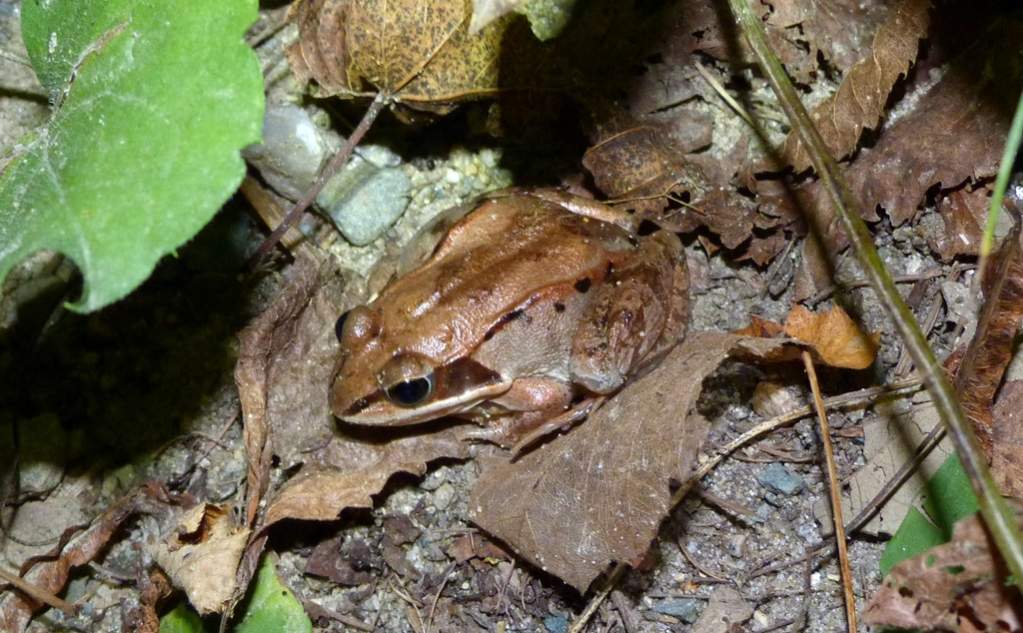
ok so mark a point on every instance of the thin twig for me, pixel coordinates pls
(333, 167)
(38, 593)
(725, 96)
(862, 283)
(999, 519)
(836, 494)
(436, 597)
(579, 625)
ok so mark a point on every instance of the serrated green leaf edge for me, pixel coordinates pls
(156, 98)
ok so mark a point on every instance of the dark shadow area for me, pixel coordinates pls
(126, 379)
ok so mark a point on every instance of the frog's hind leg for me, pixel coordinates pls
(638, 313)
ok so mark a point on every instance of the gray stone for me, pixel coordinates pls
(780, 479)
(293, 149)
(556, 623)
(685, 609)
(364, 200)
(442, 498)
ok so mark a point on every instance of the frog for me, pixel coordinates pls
(533, 308)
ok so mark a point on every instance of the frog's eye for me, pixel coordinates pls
(409, 393)
(339, 326)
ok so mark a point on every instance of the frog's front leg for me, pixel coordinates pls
(530, 404)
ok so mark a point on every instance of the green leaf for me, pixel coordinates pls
(154, 100)
(269, 608)
(949, 499)
(181, 620)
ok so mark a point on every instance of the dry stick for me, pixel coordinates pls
(862, 396)
(38, 593)
(1000, 521)
(836, 495)
(333, 167)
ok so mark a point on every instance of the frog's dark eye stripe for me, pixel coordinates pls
(409, 393)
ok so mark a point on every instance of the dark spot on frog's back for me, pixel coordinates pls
(504, 320)
(559, 307)
(583, 285)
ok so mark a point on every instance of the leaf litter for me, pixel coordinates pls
(303, 466)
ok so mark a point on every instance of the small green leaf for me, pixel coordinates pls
(155, 98)
(183, 619)
(915, 535)
(269, 608)
(949, 499)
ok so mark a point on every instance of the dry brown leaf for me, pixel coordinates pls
(835, 29)
(860, 100)
(986, 358)
(834, 338)
(638, 168)
(358, 469)
(963, 213)
(965, 110)
(957, 586)
(74, 550)
(418, 52)
(598, 494)
(202, 554)
(1007, 435)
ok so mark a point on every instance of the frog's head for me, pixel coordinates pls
(386, 380)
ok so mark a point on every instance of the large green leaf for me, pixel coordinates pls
(154, 99)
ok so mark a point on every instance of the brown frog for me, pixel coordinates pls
(532, 309)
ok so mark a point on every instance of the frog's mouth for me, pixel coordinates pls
(454, 388)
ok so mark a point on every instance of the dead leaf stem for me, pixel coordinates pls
(835, 490)
(38, 593)
(996, 513)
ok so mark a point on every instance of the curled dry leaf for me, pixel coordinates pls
(833, 337)
(958, 586)
(420, 53)
(202, 554)
(598, 494)
(638, 168)
(51, 573)
(860, 100)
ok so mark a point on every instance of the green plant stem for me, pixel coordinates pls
(1001, 183)
(996, 514)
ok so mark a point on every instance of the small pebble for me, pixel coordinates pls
(556, 623)
(443, 496)
(685, 609)
(777, 477)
